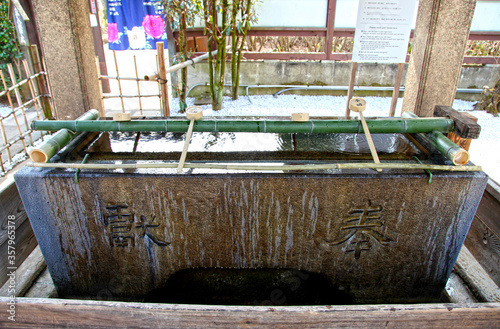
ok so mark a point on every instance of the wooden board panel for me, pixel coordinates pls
(10, 205)
(25, 243)
(50, 313)
(483, 239)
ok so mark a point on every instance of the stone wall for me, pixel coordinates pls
(331, 73)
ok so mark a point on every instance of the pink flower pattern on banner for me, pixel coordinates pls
(153, 26)
(112, 32)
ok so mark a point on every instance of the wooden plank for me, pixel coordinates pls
(43, 287)
(190, 45)
(202, 44)
(457, 291)
(483, 239)
(485, 247)
(476, 278)
(50, 313)
(10, 205)
(29, 270)
(25, 242)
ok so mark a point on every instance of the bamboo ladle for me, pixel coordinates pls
(359, 105)
(192, 113)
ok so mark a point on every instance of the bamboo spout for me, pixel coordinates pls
(452, 151)
(56, 142)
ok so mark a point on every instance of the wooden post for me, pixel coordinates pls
(102, 112)
(354, 66)
(40, 81)
(395, 92)
(163, 80)
(462, 142)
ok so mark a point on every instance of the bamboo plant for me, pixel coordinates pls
(242, 15)
(217, 36)
(182, 13)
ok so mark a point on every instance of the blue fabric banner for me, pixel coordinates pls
(135, 24)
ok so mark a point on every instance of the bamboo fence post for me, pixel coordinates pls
(352, 79)
(5, 140)
(102, 112)
(19, 100)
(14, 114)
(32, 92)
(42, 88)
(119, 83)
(138, 85)
(395, 92)
(163, 79)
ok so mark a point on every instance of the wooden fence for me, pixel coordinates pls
(26, 94)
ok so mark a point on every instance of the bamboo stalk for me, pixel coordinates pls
(138, 85)
(376, 126)
(277, 167)
(118, 80)
(56, 142)
(452, 151)
(13, 113)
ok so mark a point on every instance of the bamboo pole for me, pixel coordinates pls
(395, 92)
(359, 105)
(10, 68)
(138, 85)
(452, 151)
(277, 167)
(56, 142)
(118, 80)
(352, 79)
(376, 126)
(163, 80)
(42, 88)
(102, 111)
(13, 113)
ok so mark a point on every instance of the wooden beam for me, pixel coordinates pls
(464, 126)
(483, 239)
(330, 27)
(50, 313)
(476, 278)
(29, 270)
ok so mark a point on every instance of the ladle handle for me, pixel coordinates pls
(186, 145)
(373, 150)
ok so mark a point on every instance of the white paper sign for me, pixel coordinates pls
(383, 30)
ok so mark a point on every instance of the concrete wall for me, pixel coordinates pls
(330, 73)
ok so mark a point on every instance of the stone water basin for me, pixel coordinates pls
(362, 236)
